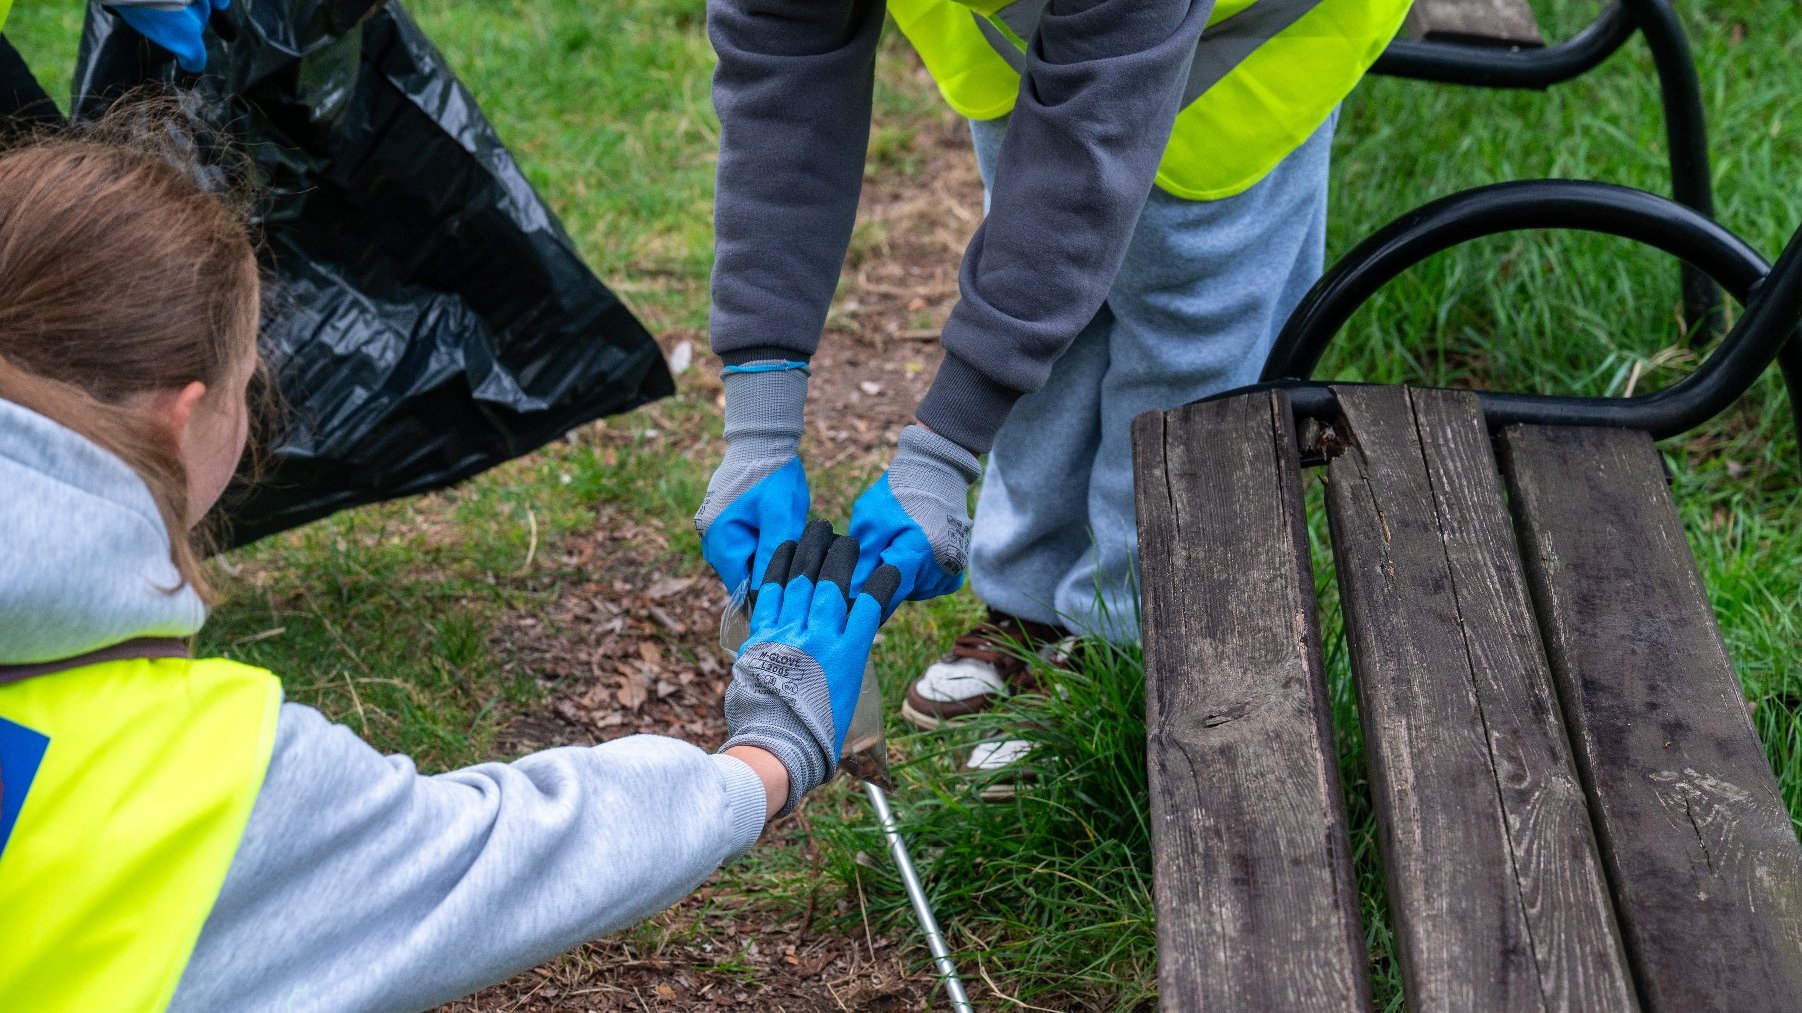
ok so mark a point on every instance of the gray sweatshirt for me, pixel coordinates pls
(360, 884)
(1103, 83)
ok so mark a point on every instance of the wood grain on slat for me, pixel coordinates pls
(1477, 22)
(1700, 849)
(1255, 901)
(1495, 885)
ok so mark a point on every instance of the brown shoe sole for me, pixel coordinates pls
(928, 715)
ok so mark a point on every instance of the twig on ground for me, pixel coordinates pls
(996, 989)
(864, 911)
(531, 543)
(362, 718)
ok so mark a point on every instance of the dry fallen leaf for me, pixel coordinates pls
(631, 693)
(669, 586)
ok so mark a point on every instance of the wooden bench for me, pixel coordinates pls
(1574, 810)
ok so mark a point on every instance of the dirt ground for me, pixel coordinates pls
(635, 650)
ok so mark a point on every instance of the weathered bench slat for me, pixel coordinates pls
(1479, 22)
(1700, 850)
(1256, 905)
(1495, 885)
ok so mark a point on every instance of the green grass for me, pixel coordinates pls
(385, 615)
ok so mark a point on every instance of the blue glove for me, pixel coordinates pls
(916, 517)
(182, 32)
(741, 539)
(795, 684)
(758, 497)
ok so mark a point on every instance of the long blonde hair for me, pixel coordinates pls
(121, 274)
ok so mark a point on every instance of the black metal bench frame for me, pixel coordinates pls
(1686, 128)
(1767, 331)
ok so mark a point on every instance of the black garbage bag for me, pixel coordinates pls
(431, 317)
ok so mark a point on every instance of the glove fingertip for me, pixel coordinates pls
(883, 584)
(780, 562)
(816, 538)
(840, 564)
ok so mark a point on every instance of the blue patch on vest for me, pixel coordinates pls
(21, 749)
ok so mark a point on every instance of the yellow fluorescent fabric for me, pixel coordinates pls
(972, 77)
(1234, 133)
(128, 828)
(6, 7)
(1230, 136)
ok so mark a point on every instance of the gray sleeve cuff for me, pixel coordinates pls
(794, 749)
(745, 801)
(964, 406)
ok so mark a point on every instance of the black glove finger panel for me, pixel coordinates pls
(781, 562)
(883, 584)
(841, 560)
(816, 538)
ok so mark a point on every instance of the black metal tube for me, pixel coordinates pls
(1773, 311)
(1790, 362)
(1496, 67)
(1686, 133)
(1504, 207)
(1685, 125)
(1767, 330)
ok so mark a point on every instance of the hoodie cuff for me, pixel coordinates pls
(964, 406)
(746, 802)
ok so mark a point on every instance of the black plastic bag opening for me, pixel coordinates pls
(430, 316)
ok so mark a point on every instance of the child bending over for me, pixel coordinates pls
(172, 834)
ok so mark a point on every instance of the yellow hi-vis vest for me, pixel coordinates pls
(1266, 75)
(125, 787)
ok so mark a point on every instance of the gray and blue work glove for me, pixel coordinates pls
(176, 25)
(757, 498)
(795, 684)
(916, 517)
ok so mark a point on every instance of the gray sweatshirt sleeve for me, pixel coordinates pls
(792, 89)
(362, 885)
(1103, 84)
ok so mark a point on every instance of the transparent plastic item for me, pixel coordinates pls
(865, 755)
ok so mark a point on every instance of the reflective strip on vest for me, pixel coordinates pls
(1266, 74)
(145, 777)
(1233, 31)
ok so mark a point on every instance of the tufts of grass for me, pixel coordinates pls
(1050, 893)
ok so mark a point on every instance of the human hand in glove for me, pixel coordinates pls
(916, 517)
(795, 683)
(178, 26)
(757, 498)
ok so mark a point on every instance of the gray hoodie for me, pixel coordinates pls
(1103, 82)
(361, 884)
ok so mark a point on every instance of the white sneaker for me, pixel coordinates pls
(982, 667)
(999, 755)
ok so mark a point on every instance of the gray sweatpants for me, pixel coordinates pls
(1200, 297)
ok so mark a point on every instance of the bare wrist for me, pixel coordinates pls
(769, 770)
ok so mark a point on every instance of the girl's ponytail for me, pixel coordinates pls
(121, 275)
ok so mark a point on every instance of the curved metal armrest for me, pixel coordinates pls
(1685, 125)
(1773, 296)
(1496, 67)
